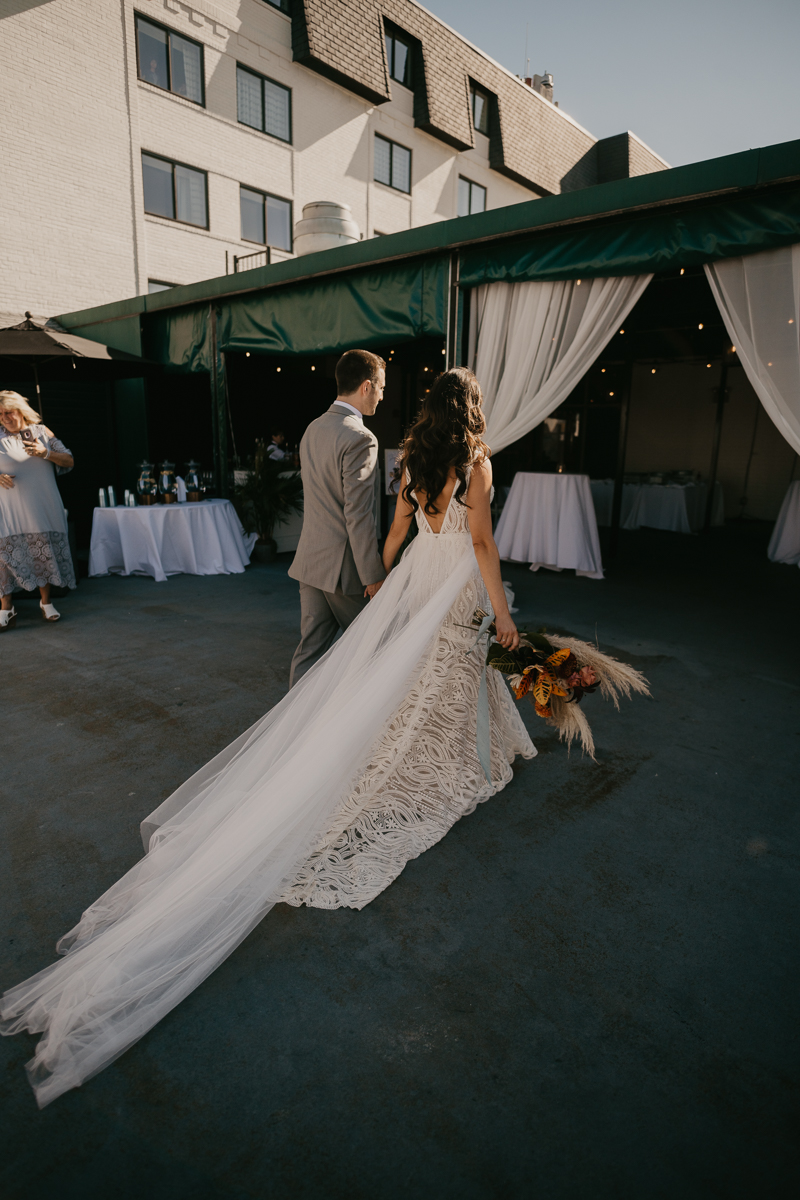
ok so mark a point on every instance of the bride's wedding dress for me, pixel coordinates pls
(367, 762)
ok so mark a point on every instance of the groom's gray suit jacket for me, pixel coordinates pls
(338, 550)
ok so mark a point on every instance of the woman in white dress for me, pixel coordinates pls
(34, 546)
(366, 762)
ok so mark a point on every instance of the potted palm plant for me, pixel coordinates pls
(269, 494)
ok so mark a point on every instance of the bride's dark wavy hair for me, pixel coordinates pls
(447, 434)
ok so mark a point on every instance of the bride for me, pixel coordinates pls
(366, 763)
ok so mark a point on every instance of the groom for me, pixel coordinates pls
(337, 562)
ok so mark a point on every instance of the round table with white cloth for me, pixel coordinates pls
(784, 545)
(203, 538)
(549, 521)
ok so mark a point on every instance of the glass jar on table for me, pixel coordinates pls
(167, 483)
(146, 484)
(193, 481)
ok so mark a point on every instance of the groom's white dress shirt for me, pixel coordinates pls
(349, 407)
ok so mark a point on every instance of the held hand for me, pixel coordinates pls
(372, 589)
(35, 449)
(507, 634)
(7, 481)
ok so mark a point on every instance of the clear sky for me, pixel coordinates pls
(692, 78)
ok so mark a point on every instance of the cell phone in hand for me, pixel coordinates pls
(28, 436)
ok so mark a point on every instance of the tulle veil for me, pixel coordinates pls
(222, 848)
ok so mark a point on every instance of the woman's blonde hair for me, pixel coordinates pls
(13, 400)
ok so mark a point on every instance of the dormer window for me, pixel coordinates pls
(398, 56)
(479, 101)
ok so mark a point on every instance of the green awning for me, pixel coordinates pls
(180, 339)
(636, 244)
(392, 303)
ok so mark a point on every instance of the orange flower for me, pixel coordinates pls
(542, 710)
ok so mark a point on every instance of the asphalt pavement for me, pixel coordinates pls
(587, 990)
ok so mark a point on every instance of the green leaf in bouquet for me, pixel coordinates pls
(504, 660)
(510, 662)
(537, 640)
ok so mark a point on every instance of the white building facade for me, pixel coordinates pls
(149, 143)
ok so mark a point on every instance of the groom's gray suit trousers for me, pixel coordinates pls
(322, 615)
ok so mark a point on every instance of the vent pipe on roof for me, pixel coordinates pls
(543, 84)
(324, 226)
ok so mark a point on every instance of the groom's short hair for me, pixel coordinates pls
(354, 368)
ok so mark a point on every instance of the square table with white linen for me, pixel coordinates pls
(203, 538)
(549, 521)
(679, 507)
(784, 545)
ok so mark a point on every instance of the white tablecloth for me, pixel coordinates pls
(784, 545)
(603, 497)
(680, 507)
(169, 539)
(549, 521)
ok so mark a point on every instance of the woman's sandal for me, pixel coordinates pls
(49, 612)
(8, 619)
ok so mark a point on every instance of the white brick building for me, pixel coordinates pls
(89, 88)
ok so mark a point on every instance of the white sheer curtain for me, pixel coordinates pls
(759, 299)
(531, 343)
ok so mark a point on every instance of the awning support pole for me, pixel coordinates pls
(38, 389)
(452, 311)
(619, 480)
(722, 392)
(219, 416)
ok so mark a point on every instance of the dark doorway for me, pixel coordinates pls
(179, 420)
(271, 393)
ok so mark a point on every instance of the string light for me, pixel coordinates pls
(579, 283)
(611, 393)
(769, 364)
(313, 368)
(622, 330)
(700, 326)
(602, 370)
(247, 353)
(442, 352)
(277, 368)
(653, 371)
(708, 364)
(681, 270)
(791, 320)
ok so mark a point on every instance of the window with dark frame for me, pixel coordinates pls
(283, 5)
(170, 61)
(398, 56)
(392, 164)
(175, 191)
(263, 104)
(266, 219)
(471, 197)
(158, 285)
(479, 101)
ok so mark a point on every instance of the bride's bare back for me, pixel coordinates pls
(441, 504)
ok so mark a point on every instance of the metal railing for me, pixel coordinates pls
(246, 262)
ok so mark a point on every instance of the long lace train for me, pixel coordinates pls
(366, 762)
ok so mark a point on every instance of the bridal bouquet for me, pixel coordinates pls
(555, 673)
